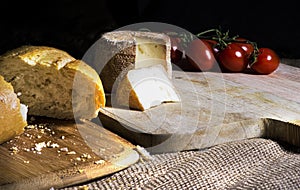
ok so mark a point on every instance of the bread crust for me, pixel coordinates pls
(62, 69)
(43, 55)
(12, 122)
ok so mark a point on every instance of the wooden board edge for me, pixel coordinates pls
(77, 174)
(127, 130)
(81, 173)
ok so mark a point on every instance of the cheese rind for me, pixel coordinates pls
(145, 88)
(117, 52)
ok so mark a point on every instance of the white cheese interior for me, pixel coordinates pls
(151, 87)
(150, 53)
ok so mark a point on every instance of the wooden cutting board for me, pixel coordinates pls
(215, 108)
(56, 153)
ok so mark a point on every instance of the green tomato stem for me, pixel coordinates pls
(207, 31)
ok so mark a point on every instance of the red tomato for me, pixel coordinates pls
(176, 50)
(200, 55)
(233, 58)
(247, 47)
(212, 44)
(267, 61)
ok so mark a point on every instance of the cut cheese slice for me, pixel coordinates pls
(146, 87)
(117, 52)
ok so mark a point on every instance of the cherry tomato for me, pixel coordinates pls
(233, 58)
(200, 55)
(176, 50)
(267, 61)
(212, 44)
(247, 47)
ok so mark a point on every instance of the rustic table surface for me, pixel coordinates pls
(208, 141)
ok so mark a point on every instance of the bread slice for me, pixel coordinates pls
(146, 87)
(117, 52)
(53, 83)
(13, 114)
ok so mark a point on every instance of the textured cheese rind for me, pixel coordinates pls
(13, 115)
(147, 87)
(117, 52)
(45, 78)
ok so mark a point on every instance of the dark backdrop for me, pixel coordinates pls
(74, 25)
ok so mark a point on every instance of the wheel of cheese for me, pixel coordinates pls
(117, 52)
(53, 83)
(13, 114)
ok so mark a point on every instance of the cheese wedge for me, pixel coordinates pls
(146, 87)
(117, 52)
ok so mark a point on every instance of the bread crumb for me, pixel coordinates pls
(26, 149)
(52, 145)
(39, 146)
(99, 162)
(48, 143)
(80, 170)
(30, 127)
(86, 155)
(64, 149)
(14, 150)
(72, 152)
(38, 136)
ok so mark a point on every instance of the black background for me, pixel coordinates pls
(74, 26)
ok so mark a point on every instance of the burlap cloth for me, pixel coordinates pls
(248, 164)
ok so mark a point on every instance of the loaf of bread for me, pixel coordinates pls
(144, 88)
(13, 114)
(52, 83)
(117, 52)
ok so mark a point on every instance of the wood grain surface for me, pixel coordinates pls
(56, 153)
(215, 108)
